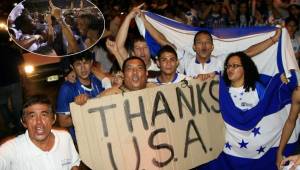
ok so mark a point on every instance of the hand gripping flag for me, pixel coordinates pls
(252, 136)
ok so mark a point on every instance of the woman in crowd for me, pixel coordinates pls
(253, 112)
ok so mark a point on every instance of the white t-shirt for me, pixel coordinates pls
(34, 45)
(178, 77)
(189, 65)
(153, 66)
(244, 100)
(21, 154)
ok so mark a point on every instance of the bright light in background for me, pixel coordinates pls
(28, 69)
(15, 4)
(3, 26)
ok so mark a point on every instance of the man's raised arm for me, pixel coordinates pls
(158, 36)
(123, 32)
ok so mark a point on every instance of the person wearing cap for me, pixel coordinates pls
(41, 146)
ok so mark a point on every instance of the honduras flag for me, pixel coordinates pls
(252, 136)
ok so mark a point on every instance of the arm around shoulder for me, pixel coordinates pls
(110, 91)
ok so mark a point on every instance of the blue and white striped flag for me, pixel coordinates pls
(252, 136)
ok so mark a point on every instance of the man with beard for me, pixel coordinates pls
(41, 147)
(86, 86)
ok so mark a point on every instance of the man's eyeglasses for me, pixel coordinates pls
(234, 66)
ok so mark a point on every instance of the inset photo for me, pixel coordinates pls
(56, 27)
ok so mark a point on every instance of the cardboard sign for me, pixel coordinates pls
(176, 126)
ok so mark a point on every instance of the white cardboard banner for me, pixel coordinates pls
(176, 126)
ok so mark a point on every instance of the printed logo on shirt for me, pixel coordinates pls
(245, 104)
(66, 162)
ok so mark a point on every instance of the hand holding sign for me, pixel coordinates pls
(81, 99)
(160, 128)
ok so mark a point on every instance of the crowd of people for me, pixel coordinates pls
(53, 30)
(213, 14)
(121, 62)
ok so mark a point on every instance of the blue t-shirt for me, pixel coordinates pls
(68, 91)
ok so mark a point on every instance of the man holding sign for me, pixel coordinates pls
(135, 77)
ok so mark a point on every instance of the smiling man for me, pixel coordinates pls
(139, 46)
(41, 147)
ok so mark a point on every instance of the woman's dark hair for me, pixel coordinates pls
(251, 75)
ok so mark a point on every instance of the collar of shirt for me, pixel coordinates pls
(175, 77)
(208, 61)
(93, 91)
(36, 150)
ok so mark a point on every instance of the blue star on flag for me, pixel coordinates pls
(243, 144)
(256, 131)
(227, 145)
(261, 149)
